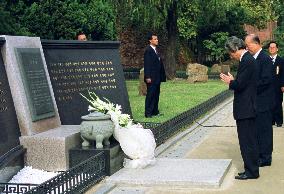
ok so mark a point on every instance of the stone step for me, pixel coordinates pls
(175, 173)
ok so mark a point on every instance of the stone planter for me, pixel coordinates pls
(97, 127)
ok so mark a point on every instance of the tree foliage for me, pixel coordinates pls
(62, 19)
(258, 12)
(153, 15)
(178, 20)
(216, 45)
(279, 32)
(187, 25)
(227, 16)
(8, 21)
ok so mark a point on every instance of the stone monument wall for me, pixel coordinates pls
(9, 128)
(78, 67)
(36, 96)
(30, 84)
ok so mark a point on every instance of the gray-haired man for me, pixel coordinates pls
(264, 100)
(244, 108)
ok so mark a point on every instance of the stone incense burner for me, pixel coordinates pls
(97, 127)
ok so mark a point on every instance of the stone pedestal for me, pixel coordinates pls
(114, 156)
(49, 150)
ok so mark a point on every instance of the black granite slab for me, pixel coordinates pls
(76, 67)
(35, 83)
(9, 128)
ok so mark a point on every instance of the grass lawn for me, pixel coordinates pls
(175, 98)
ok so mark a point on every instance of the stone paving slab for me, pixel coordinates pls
(128, 190)
(182, 143)
(175, 172)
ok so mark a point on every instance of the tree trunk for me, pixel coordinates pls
(170, 56)
(200, 53)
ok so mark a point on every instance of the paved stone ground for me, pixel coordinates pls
(216, 139)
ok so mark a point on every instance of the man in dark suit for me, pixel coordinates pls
(244, 105)
(264, 99)
(154, 74)
(278, 68)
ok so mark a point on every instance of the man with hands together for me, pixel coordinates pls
(244, 105)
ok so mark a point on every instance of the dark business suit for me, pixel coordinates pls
(278, 68)
(153, 69)
(265, 105)
(244, 110)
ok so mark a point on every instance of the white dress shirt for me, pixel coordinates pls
(243, 55)
(273, 58)
(257, 53)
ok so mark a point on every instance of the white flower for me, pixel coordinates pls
(96, 104)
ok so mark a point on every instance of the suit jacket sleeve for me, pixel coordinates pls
(147, 64)
(281, 71)
(244, 75)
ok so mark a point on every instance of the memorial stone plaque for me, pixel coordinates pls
(78, 67)
(9, 128)
(35, 83)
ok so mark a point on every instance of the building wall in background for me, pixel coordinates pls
(264, 34)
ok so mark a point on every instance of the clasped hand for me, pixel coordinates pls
(226, 78)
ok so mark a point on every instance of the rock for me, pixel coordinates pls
(142, 85)
(225, 69)
(196, 73)
(216, 68)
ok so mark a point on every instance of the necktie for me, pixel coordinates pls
(273, 60)
(157, 53)
(277, 68)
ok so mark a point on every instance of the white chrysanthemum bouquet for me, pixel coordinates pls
(135, 141)
(106, 107)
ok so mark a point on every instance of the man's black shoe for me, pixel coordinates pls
(245, 177)
(241, 173)
(159, 114)
(148, 116)
(279, 125)
(156, 113)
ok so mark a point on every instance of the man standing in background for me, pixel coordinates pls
(278, 68)
(154, 74)
(264, 99)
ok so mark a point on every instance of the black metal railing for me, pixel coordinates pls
(15, 188)
(148, 125)
(214, 76)
(11, 155)
(132, 75)
(165, 130)
(10, 163)
(75, 180)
